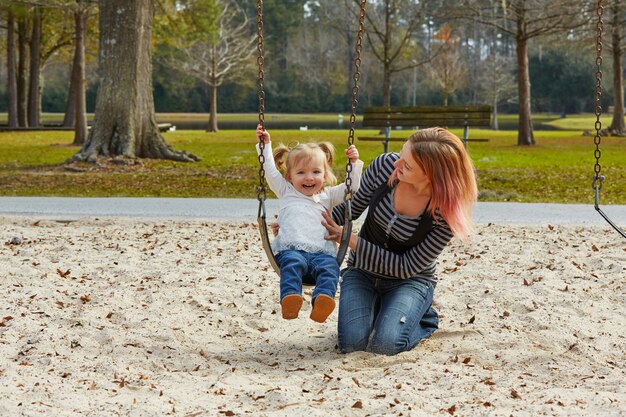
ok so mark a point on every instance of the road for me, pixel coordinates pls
(246, 209)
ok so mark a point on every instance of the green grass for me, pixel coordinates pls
(558, 169)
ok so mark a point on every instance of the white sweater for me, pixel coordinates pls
(300, 216)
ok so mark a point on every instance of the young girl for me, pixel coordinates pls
(305, 193)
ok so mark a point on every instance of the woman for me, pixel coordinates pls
(417, 201)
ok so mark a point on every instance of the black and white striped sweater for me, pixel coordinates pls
(420, 260)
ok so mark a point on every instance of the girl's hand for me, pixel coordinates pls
(352, 153)
(262, 133)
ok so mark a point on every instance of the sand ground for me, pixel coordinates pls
(145, 317)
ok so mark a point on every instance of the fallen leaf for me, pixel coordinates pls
(63, 274)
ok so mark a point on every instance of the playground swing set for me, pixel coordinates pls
(597, 182)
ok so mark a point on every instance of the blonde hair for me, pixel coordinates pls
(447, 165)
(286, 157)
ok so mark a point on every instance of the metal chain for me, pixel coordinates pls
(597, 178)
(355, 93)
(262, 188)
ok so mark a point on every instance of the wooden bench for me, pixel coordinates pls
(387, 118)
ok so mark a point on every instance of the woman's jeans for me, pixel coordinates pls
(384, 316)
(319, 269)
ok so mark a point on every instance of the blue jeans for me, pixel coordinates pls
(384, 316)
(318, 268)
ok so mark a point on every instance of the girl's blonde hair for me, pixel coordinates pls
(286, 157)
(447, 165)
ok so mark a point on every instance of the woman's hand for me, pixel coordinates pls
(274, 226)
(352, 153)
(335, 232)
(262, 133)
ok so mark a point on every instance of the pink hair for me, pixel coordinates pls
(447, 165)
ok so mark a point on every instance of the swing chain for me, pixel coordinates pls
(597, 178)
(355, 93)
(262, 188)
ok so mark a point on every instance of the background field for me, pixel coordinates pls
(558, 169)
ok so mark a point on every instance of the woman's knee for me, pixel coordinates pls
(351, 344)
(387, 344)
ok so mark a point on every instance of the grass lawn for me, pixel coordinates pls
(558, 169)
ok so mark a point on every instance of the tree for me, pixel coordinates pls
(22, 69)
(496, 82)
(618, 127)
(34, 86)
(11, 70)
(447, 70)
(391, 27)
(125, 124)
(77, 83)
(525, 20)
(216, 56)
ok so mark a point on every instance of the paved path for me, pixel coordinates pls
(246, 209)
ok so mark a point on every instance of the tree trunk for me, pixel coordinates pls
(22, 73)
(213, 87)
(213, 110)
(387, 60)
(34, 90)
(350, 62)
(78, 76)
(125, 124)
(11, 76)
(525, 134)
(70, 106)
(494, 114)
(617, 127)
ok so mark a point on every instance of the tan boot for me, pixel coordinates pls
(291, 305)
(323, 305)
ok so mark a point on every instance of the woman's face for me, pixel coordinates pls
(408, 169)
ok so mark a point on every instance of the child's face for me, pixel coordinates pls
(307, 177)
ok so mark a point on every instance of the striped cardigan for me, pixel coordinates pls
(419, 261)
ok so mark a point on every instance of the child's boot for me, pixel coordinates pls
(323, 305)
(291, 305)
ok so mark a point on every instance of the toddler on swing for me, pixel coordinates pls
(306, 190)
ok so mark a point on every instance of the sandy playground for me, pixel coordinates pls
(137, 317)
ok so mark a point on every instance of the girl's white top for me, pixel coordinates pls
(300, 216)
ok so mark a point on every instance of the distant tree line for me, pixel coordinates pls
(518, 56)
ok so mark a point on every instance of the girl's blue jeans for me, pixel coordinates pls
(382, 315)
(319, 269)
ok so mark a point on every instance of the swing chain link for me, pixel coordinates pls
(597, 178)
(355, 93)
(262, 188)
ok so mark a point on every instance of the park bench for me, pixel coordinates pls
(397, 117)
